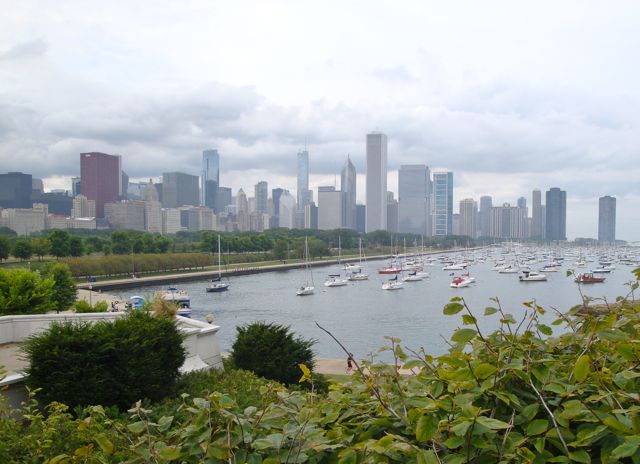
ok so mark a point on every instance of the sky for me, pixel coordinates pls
(510, 96)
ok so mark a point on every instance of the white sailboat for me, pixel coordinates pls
(393, 284)
(355, 272)
(217, 285)
(308, 287)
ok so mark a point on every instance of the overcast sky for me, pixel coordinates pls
(510, 96)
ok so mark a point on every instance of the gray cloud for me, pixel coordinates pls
(24, 50)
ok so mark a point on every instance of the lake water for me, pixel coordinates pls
(361, 314)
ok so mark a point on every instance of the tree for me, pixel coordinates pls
(271, 351)
(280, 248)
(94, 244)
(120, 243)
(5, 248)
(76, 246)
(60, 246)
(25, 292)
(41, 246)
(66, 291)
(22, 249)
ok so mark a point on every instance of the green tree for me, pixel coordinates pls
(5, 248)
(280, 248)
(120, 243)
(66, 291)
(41, 246)
(22, 249)
(271, 351)
(25, 292)
(94, 244)
(76, 246)
(60, 246)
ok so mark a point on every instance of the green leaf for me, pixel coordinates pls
(490, 310)
(59, 459)
(452, 308)
(580, 456)
(104, 443)
(467, 319)
(426, 457)
(626, 449)
(545, 329)
(537, 427)
(348, 456)
(581, 368)
(170, 453)
(484, 370)
(463, 335)
(493, 424)
(612, 335)
(426, 428)
(164, 423)
(136, 427)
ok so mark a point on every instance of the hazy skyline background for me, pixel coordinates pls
(508, 96)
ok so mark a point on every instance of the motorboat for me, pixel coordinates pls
(392, 284)
(335, 280)
(135, 302)
(178, 297)
(454, 267)
(305, 290)
(588, 278)
(532, 276)
(308, 287)
(509, 270)
(391, 269)
(601, 270)
(350, 267)
(460, 282)
(466, 276)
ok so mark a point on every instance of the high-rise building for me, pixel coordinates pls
(303, 180)
(329, 208)
(15, 190)
(261, 191)
(556, 205)
(224, 199)
(361, 218)
(468, 215)
(287, 210)
(83, 208)
(607, 220)
(442, 203)
(75, 187)
(242, 211)
(413, 185)
(171, 221)
(522, 202)
(376, 182)
(508, 221)
(486, 203)
(125, 215)
(275, 196)
(180, 189)
(311, 216)
(392, 213)
(101, 178)
(209, 177)
(348, 187)
(537, 219)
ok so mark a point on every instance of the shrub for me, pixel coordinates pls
(25, 292)
(271, 351)
(82, 306)
(112, 363)
(65, 287)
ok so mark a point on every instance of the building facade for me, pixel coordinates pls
(556, 216)
(468, 217)
(329, 208)
(209, 177)
(376, 182)
(180, 189)
(413, 190)
(348, 187)
(442, 203)
(607, 220)
(101, 178)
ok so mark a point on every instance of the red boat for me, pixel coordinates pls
(389, 270)
(588, 278)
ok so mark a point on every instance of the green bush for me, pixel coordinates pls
(271, 351)
(83, 306)
(111, 363)
(25, 292)
(65, 286)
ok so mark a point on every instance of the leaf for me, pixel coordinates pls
(493, 424)
(164, 423)
(348, 456)
(105, 444)
(545, 329)
(426, 428)
(463, 335)
(537, 427)
(468, 319)
(490, 310)
(170, 453)
(626, 449)
(426, 457)
(580, 456)
(612, 335)
(59, 459)
(484, 370)
(452, 308)
(306, 373)
(581, 368)
(136, 427)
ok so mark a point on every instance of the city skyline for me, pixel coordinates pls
(554, 106)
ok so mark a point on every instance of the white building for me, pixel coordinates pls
(330, 203)
(376, 194)
(24, 221)
(171, 221)
(83, 207)
(287, 210)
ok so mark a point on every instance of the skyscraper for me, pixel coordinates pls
(443, 203)
(537, 229)
(607, 220)
(348, 187)
(556, 205)
(376, 194)
(261, 193)
(179, 189)
(275, 196)
(210, 172)
(413, 190)
(508, 221)
(303, 180)
(15, 190)
(329, 208)
(486, 203)
(101, 178)
(468, 215)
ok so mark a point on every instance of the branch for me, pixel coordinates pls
(553, 419)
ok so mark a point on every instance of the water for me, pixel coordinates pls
(360, 314)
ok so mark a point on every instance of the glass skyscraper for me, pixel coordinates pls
(442, 203)
(607, 220)
(376, 211)
(303, 180)
(348, 187)
(210, 173)
(556, 204)
(413, 190)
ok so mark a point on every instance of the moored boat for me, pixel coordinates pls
(180, 298)
(588, 278)
(532, 276)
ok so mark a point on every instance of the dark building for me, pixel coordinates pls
(275, 197)
(607, 220)
(361, 217)
(556, 216)
(101, 179)
(486, 203)
(75, 186)
(58, 202)
(211, 194)
(180, 189)
(15, 190)
(224, 198)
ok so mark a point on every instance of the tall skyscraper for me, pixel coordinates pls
(508, 221)
(180, 189)
(329, 208)
(392, 213)
(376, 174)
(15, 190)
(413, 184)
(261, 193)
(75, 187)
(522, 202)
(468, 215)
(607, 220)
(275, 196)
(303, 180)
(101, 178)
(211, 173)
(348, 186)
(224, 199)
(556, 205)
(537, 229)
(443, 203)
(486, 203)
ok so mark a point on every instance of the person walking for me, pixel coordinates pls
(350, 363)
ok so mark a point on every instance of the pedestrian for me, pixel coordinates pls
(350, 363)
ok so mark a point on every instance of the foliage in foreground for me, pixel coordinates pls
(516, 395)
(111, 363)
(26, 292)
(271, 351)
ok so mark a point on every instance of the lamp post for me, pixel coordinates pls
(90, 292)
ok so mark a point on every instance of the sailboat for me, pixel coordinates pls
(392, 284)
(217, 285)
(307, 288)
(356, 272)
